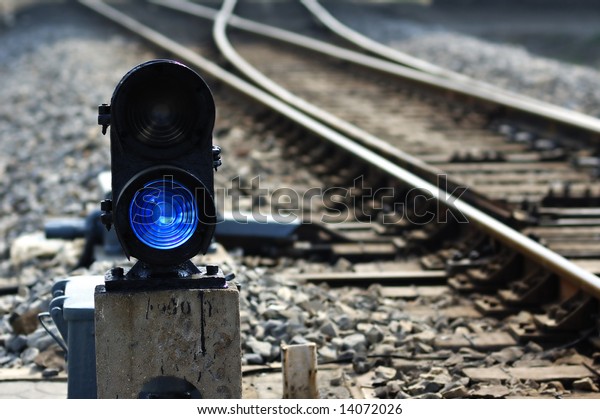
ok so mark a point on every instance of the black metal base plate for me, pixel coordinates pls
(492, 306)
(203, 282)
(145, 278)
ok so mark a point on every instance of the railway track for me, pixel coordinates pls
(508, 279)
(545, 165)
(508, 270)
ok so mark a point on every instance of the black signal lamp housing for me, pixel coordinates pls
(161, 118)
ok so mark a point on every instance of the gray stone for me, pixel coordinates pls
(285, 293)
(40, 340)
(406, 326)
(329, 329)
(374, 335)
(16, 362)
(274, 311)
(327, 354)
(423, 387)
(259, 332)
(260, 347)
(356, 341)
(462, 330)
(438, 375)
(5, 307)
(455, 392)
(361, 365)
(338, 342)
(344, 322)
(380, 317)
(16, 343)
(252, 359)
(52, 357)
(384, 349)
(394, 387)
(3, 338)
(381, 392)
(348, 355)
(6, 359)
(298, 340)
(50, 372)
(343, 265)
(315, 337)
(29, 354)
(386, 373)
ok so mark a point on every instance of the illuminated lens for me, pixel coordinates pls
(163, 214)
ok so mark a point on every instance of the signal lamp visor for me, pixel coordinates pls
(161, 105)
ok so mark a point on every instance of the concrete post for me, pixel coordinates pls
(168, 343)
(299, 366)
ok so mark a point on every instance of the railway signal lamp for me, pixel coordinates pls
(153, 324)
(161, 116)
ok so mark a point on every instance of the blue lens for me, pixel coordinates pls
(163, 214)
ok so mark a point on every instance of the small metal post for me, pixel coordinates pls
(300, 371)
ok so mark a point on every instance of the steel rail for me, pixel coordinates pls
(486, 94)
(343, 31)
(510, 237)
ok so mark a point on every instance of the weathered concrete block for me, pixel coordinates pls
(167, 342)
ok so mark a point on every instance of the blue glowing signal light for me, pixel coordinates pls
(163, 214)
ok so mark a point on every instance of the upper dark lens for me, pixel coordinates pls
(163, 114)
